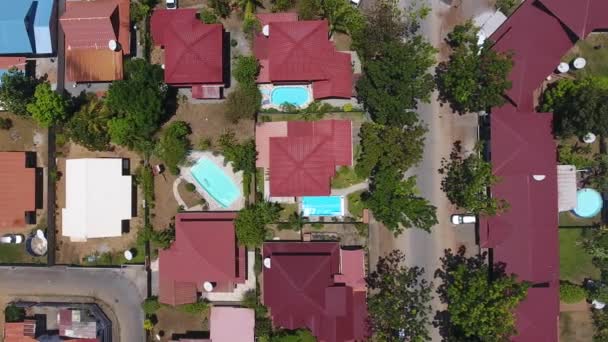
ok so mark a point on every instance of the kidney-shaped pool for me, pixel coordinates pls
(215, 182)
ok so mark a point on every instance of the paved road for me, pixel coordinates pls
(113, 287)
(422, 248)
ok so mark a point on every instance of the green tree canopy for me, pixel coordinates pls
(89, 125)
(242, 156)
(300, 335)
(243, 102)
(220, 7)
(246, 69)
(13, 313)
(466, 181)
(478, 308)
(137, 104)
(475, 77)
(400, 301)
(342, 17)
(580, 106)
(17, 91)
(396, 202)
(48, 107)
(173, 146)
(251, 222)
(386, 146)
(392, 84)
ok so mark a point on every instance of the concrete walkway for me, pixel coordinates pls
(239, 291)
(350, 189)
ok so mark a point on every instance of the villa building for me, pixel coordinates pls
(316, 286)
(98, 198)
(27, 27)
(194, 51)
(97, 37)
(205, 257)
(301, 157)
(19, 189)
(222, 325)
(293, 52)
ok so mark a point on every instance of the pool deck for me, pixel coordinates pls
(266, 90)
(186, 176)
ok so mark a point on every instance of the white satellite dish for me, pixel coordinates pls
(579, 63)
(207, 286)
(563, 68)
(539, 177)
(128, 255)
(267, 262)
(113, 45)
(266, 30)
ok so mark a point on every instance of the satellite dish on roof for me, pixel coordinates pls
(266, 30)
(589, 138)
(267, 262)
(207, 286)
(128, 255)
(162, 66)
(579, 63)
(113, 45)
(539, 177)
(563, 68)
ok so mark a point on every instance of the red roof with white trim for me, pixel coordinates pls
(193, 50)
(303, 162)
(300, 51)
(205, 249)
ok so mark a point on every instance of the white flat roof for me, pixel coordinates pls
(98, 198)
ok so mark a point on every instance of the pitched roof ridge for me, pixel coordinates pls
(197, 251)
(297, 165)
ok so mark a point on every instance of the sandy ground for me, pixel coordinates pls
(173, 322)
(73, 252)
(575, 323)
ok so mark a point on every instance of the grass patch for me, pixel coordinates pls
(288, 209)
(567, 219)
(16, 254)
(574, 263)
(345, 177)
(595, 50)
(355, 204)
(115, 258)
(259, 180)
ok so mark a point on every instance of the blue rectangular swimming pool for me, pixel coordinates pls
(323, 206)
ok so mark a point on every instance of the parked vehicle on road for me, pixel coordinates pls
(463, 219)
(12, 238)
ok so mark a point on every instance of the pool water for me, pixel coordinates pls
(588, 203)
(295, 95)
(323, 206)
(215, 182)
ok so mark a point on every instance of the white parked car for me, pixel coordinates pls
(463, 219)
(171, 4)
(12, 238)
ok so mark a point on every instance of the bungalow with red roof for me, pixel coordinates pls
(19, 189)
(97, 37)
(194, 51)
(204, 257)
(316, 286)
(299, 52)
(301, 157)
(525, 237)
(20, 331)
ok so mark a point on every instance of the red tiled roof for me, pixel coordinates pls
(88, 27)
(18, 194)
(10, 62)
(300, 292)
(205, 249)
(193, 50)
(299, 51)
(20, 331)
(303, 163)
(581, 16)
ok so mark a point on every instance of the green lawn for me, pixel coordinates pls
(117, 258)
(345, 177)
(16, 254)
(595, 50)
(288, 209)
(575, 263)
(355, 205)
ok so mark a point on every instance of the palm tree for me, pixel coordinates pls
(248, 6)
(338, 13)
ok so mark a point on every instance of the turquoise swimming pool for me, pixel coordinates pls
(323, 206)
(295, 95)
(215, 182)
(588, 203)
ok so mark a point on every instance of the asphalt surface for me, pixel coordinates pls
(110, 286)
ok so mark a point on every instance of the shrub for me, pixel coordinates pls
(507, 6)
(205, 144)
(194, 308)
(571, 293)
(220, 7)
(6, 123)
(233, 42)
(148, 324)
(250, 299)
(190, 187)
(243, 103)
(207, 16)
(246, 69)
(13, 313)
(281, 5)
(251, 26)
(309, 9)
(150, 306)
(347, 107)
(174, 145)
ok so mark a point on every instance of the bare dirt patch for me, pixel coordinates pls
(174, 322)
(165, 205)
(191, 198)
(576, 326)
(342, 41)
(74, 252)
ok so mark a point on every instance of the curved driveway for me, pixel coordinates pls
(111, 286)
